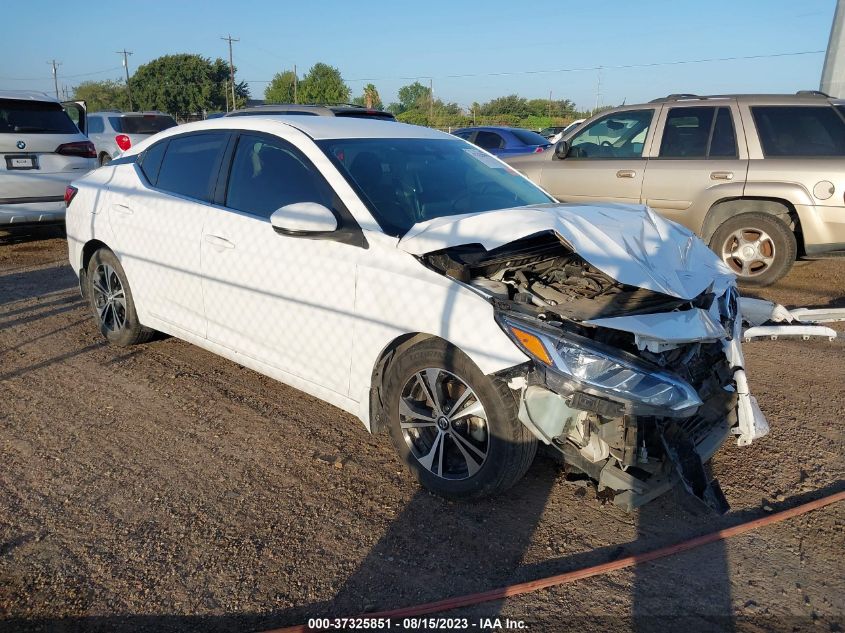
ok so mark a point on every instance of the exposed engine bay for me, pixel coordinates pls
(634, 387)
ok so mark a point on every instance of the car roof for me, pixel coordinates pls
(316, 127)
(494, 128)
(27, 95)
(309, 108)
(802, 96)
(121, 113)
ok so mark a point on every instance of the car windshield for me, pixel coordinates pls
(142, 124)
(34, 117)
(530, 138)
(405, 181)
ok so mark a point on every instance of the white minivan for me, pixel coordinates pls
(41, 151)
(421, 284)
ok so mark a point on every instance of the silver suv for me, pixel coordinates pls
(759, 177)
(113, 132)
(41, 151)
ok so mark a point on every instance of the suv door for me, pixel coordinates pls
(285, 301)
(77, 110)
(697, 159)
(606, 160)
(158, 221)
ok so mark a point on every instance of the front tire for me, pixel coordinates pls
(758, 247)
(455, 428)
(111, 301)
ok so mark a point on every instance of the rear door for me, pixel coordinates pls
(607, 159)
(159, 221)
(491, 141)
(697, 159)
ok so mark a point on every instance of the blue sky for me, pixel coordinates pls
(390, 42)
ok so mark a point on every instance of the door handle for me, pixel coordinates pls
(219, 242)
(721, 175)
(122, 209)
(626, 173)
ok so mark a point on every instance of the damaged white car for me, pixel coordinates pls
(423, 285)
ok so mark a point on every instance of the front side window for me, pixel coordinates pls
(617, 135)
(268, 174)
(698, 132)
(410, 180)
(489, 140)
(799, 131)
(189, 164)
(95, 125)
(34, 117)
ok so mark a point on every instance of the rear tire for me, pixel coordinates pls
(758, 247)
(111, 301)
(105, 159)
(471, 444)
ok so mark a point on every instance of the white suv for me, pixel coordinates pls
(41, 151)
(419, 283)
(114, 132)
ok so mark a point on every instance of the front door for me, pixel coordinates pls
(606, 161)
(285, 301)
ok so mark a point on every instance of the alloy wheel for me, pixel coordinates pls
(749, 252)
(109, 298)
(444, 424)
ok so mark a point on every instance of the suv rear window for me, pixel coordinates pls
(34, 117)
(799, 130)
(141, 124)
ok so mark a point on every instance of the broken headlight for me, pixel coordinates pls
(575, 363)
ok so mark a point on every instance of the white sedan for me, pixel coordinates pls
(421, 284)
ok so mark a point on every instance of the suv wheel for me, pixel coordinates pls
(455, 428)
(758, 247)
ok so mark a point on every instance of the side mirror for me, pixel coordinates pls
(562, 150)
(304, 219)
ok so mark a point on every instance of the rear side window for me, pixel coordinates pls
(34, 117)
(799, 131)
(530, 138)
(150, 161)
(189, 164)
(141, 124)
(701, 132)
(489, 140)
(268, 173)
(95, 125)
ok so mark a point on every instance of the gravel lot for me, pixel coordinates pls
(164, 488)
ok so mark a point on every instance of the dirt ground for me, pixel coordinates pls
(162, 488)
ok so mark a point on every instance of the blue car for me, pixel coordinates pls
(504, 141)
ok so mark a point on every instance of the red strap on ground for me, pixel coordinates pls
(560, 579)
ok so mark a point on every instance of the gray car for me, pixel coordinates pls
(759, 177)
(113, 132)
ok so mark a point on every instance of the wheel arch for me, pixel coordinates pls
(726, 208)
(395, 347)
(91, 247)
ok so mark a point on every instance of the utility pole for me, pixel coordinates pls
(598, 91)
(124, 52)
(431, 101)
(231, 39)
(295, 81)
(55, 65)
(550, 104)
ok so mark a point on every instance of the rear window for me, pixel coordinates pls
(141, 124)
(799, 131)
(530, 138)
(34, 117)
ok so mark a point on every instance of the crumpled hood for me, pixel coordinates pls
(630, 243)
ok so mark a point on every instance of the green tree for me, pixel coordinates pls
(511, 104)
(323, 84)
(370, 98)
(281, 89)
(184, 84)
(102, 95)
(413, 96)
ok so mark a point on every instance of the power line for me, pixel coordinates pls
(96, 72)
(583, 69)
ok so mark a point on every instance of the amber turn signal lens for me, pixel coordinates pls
(533, 344)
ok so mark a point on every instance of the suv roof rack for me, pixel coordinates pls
(687, 96)
(813, 93)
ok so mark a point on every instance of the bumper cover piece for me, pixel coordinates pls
(687, 462)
